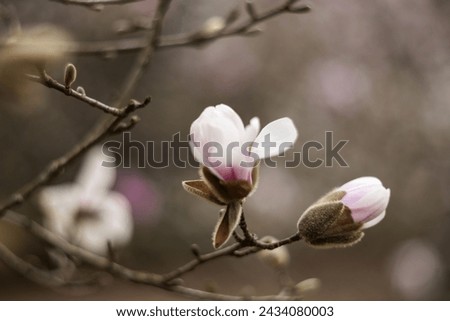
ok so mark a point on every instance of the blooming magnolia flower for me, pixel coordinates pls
(338, 218)
(229, 154)
(87, 212)
(237, 147)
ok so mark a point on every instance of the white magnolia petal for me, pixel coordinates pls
(375, 221)
(222, 117)
(361, 182)
(94, 176)
(60, 204)
(252, 130)
(281, 134)
(113, 222)
(228, 112)
(371, 205)
(196, 149)
(215, 131)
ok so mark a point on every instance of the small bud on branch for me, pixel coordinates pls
(70, 75)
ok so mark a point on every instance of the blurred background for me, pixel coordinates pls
(375, 73)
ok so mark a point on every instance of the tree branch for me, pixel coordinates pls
(240, 29)
(200, 259)
(114, 268)
(147, 52)
(186, 39)
(49, 82)
(94, 2)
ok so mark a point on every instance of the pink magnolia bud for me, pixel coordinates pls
(338, 218)
(367, 199)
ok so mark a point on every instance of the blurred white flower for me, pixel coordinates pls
(87, 212)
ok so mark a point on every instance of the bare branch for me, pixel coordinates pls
(118, 270)
(126, 125)
(95, 2)
(241, 29)
(200, 259)
(244, 246)
(187, 39)
(146, 54)
(48, 81)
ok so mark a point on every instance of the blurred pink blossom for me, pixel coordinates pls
(142, 194)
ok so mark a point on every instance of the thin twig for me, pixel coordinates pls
(251, 240)
(271, 246)
(186, 39)
(259, 246)
(200, 259)
(244, 246)
(118, 270)
(95, 2)
(147, 52)
(48, 81)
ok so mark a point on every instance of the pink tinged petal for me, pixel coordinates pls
(375, 221)
(369, 206)
(212, 133)
(281, 133)
(239, 167)
(227, 112)
(219, 134)
(222, 117)
(94, 176)
(359, 187)
(227, 173)
(361, 181)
